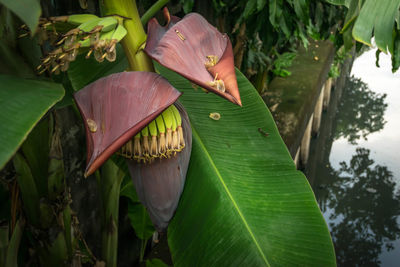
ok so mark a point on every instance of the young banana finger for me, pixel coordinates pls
(108, 24)
(153, 143)
(145, 144)
(162, 141)
(90, 24)
(175, 138)
(179, 127)
(80, 18)
(167, 117)
(119, 33)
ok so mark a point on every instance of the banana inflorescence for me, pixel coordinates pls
(161, 138)
(99, 35)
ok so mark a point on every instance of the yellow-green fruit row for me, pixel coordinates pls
(161, 138)
(117, 33)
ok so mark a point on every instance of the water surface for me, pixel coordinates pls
(357, 178)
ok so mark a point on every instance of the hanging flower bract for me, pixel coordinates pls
(115, 108)
(196, 50)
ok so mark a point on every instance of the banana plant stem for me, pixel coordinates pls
(135, 39)
(153, 10)
(13, 246)
(110, 185)
(110, 179)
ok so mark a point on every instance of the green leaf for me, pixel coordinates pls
(156, 263)
(377, 17)
(244, 202)
(351, 15)
(275, 10)
(56, 177)
(396, 52)
(261, 4)
(28, 11)
(340, 2)
(83, 71)
(36, 152)
(301, 10)
(187, 5)
(250, 8)
(12, 63)
(377, 53)
(128, 190)
(27, 186)
(22, 104)
(140, 220)
(384, 25)
(13, 247)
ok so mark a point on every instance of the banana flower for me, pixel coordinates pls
(115, 108)
(196, 50)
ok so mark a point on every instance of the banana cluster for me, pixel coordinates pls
(99, 35)
(161, 138)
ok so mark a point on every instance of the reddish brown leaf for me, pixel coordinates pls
(117, 107)
(184, 45)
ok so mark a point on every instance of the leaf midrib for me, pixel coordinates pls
(196, 135)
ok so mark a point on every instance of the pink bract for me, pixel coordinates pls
(184, 47)
(117, 107)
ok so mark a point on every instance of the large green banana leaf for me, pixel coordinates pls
(244, 202)
(377, 17)
(22, 103)
(372, 18)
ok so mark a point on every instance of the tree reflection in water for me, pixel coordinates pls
(359, 198)
(361, 111)
(364, 205)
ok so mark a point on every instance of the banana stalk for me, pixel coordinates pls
(109, 182)
(47, 211)
(13, 246)
(29, 193)
(136, 36)
(4, 230)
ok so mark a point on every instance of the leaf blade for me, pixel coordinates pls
(28, 15)
(241, 188)
(22, 104)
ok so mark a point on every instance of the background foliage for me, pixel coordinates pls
(246, 199)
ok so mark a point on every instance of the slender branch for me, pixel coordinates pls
(153, 10)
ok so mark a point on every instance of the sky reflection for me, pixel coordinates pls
(358, 185)
(385, 144)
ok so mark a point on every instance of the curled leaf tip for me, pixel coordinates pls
(117, 107)
(196, 50)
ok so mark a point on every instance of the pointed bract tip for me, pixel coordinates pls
(238, 102)
(167, 16)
